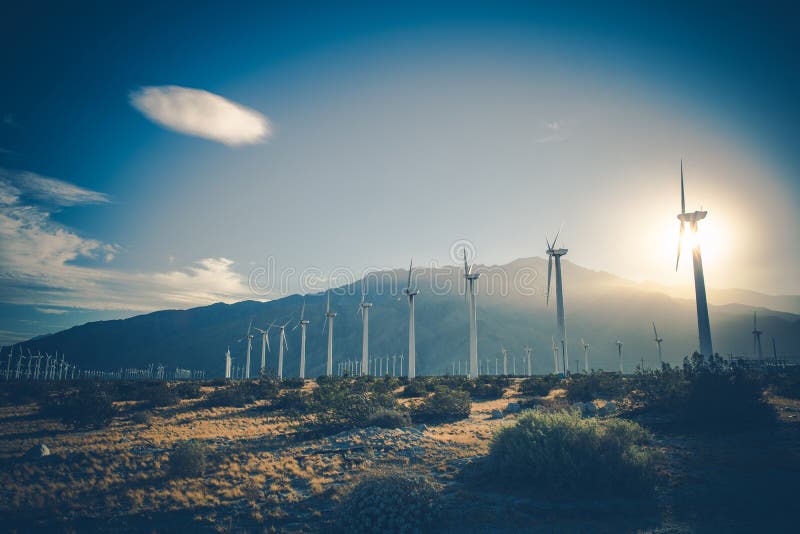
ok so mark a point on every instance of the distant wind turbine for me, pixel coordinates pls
(586, 349)
(302, 323)
(472, 315)
(619, 348)
(412, 341)
(249, 338)
(227, 363)
(556, 253)
(703, 324)
(281, 346)
(505, 359)
(364, 307)
(329, 316)
(264, 345)
(528, 351)
(658, 341)
(555, 355)
(757, 339)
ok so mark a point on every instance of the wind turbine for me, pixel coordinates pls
(528, 351)
(556, 253)
(586, 349)
(658, 341)
(249, 338)
(329, 316)
(555, 355)
(228, 363)
(282, 345)
(364, 307)
(757, 339)
(412, 340)
(703, 324)
(505, 359)
(619, 348)
(472, 314)
(264, 345)
(302, 323)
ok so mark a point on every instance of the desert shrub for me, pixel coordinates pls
(293, 383)
(595, 385)
(266, 388)
(89, 406)
(293, 400)
(487, 387)
(724, 402)
(386, 418)
(144, 417)
(563, 453)
(237, 394)
(416, 387)
(787, 383)
(391, 502)
(338, 408)
(539, 385)
(188, 459)
(385, 385)
(161, 394)
(444, 405)
(188, 390)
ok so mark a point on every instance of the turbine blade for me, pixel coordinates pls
(549, 275)
(556, 238)
(266, 338)
(408, 285)
(655, 331)
(303, 309)
(683, 199)
(680, 242)
(466, 268)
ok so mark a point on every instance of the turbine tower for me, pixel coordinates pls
(703, 325)
(619, 348)
(555, 355)
(264, 346)
(227, 363)
(757, 339)
(302, 323)
(472, 315)
(505, 359)
(249, 338)
(658, 341)
(586, 349)
(329, 316)
(364, 307)
(556, 253)
(282, 345)
(412, 340)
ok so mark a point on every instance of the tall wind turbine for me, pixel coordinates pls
(329, 316)
(302, 323)
(264, 345)
(757, 339)
(586, 349)
(703, 324)
(556, 253)
(412, 340)
(658, 341)
(364, 307)
(227, 363)
(282, 345)
(619, 348)
(472, 311)
(249, 338)
(528, 351)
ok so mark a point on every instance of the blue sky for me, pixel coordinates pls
(357, 135)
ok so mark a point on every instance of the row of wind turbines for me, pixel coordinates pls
(559, 345)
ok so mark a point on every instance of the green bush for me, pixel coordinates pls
(787, 382)
(188, 390)
(386, 418)
(188, 459)
(337, 408)
(389, 503)
(539, 385)
(237, 394)
(89, 406)
(416, 387)
(562, 453)
(596, 385)
(161, 394)
(444, 405)
(293, 383)
(293, 400)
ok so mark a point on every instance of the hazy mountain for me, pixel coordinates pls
(600, 307)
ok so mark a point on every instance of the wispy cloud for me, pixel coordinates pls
(51, 311)
(554, 131)
(202, 114)
(50, 190)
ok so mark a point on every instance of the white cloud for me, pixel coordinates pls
(51, 311)
(554, 131)
(39, 266)
(202, 114)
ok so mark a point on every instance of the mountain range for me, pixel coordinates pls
(512, 311)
